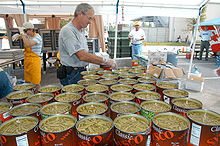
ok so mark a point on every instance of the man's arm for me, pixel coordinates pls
(87, 57)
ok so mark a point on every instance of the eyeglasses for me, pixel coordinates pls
(90, 18)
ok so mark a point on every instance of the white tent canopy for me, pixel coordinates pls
(132, 8)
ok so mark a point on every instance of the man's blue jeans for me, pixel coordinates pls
(72, 78)
(136, 50)
(5, 85)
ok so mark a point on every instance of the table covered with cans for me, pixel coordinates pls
(127, 106)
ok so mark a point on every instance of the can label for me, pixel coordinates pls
(6, 115)
(166, 99)
(22, 140)
(147, 114)
(195, 134)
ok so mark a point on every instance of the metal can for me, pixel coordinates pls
(139, 67)
(96, 69)
(87, 82)
(18, 97)
(97, 88)
(153, 107)
(74, 88)
(55, 108)
(22, 131)
(204, 127)
(108, 82)
(110, 76)
(147, 80)
(124, 68)
(146, 95)
(136, 71)
(24, 86)
(54, 89)
(170, 94)
(58, 130)
(91, 108)
(40, 98)
(121, 96)
(143, 87)
(128, 81)
(144, 75)
(101, 133)
(104, 72)
(160, 86)
(118, 72)
(26, 109)
(96, 97)
(127, 75)
(131, 130)
(92, 77)
(85, 73)
(121, 87)
(4, 111)
(182, 105)
(169, 129)
(124, 107)
(72, 98)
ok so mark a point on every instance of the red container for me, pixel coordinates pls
(40, 98)
(4, 111)
(18, 97)
(72, 98)
(100, 135)
(182, 105)
(91, 108)
(131, 130)
(146, 95)
(26, 109)
(54, 89)
(24, 86)
(124, 107)
(106, 67)
(63, 134)
(26, 136)
(188, 56)
(204, 127)
(169, 95)
(169, 129)
(160, 86)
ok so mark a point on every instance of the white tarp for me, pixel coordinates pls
(132, 8)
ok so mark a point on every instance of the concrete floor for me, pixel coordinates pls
(210, 95)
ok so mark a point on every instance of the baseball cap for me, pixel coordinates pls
(28, 25)
(136, 23)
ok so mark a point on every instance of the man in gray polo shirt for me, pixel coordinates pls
(73, 48)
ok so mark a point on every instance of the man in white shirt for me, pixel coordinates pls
(136, 36)
(206, 36)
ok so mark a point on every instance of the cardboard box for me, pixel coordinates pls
(161, 73)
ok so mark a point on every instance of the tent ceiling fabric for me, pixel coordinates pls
(173, 8)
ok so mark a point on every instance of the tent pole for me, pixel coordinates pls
(116, 30)
(23, 4)
(195, 36)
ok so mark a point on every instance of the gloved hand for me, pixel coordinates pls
(15, 37)
(110, 62)
(21, 30)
